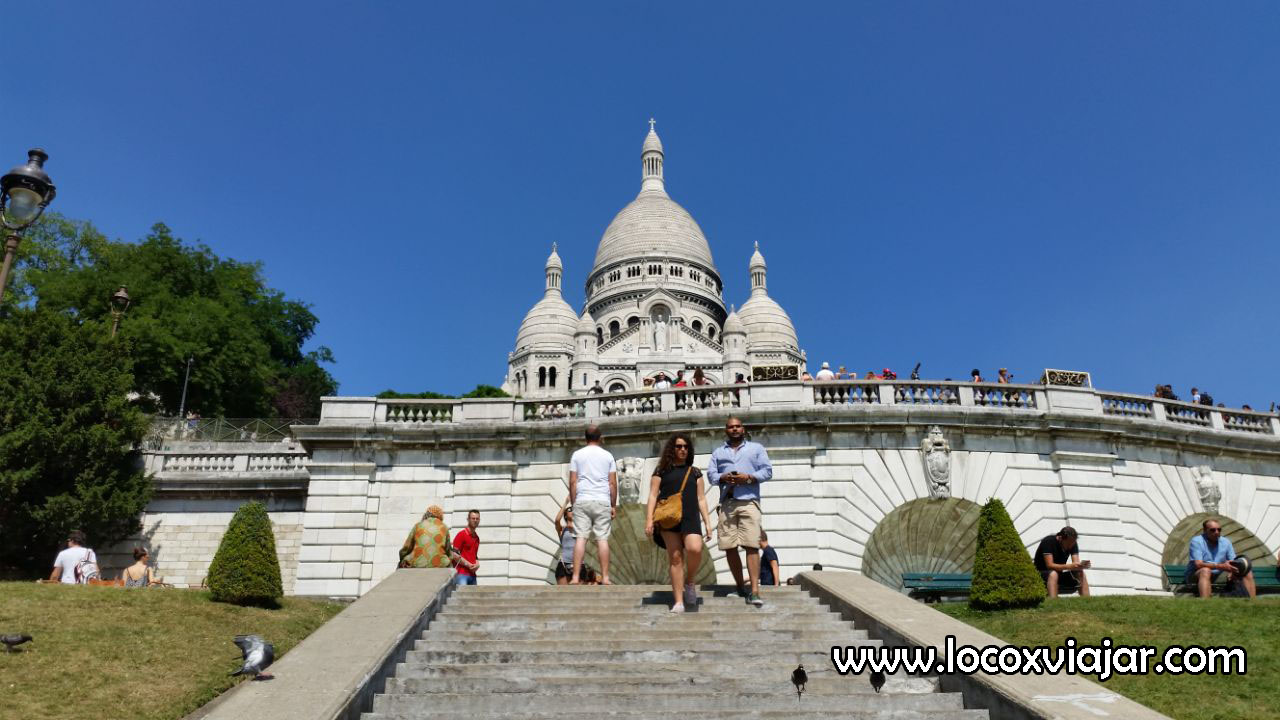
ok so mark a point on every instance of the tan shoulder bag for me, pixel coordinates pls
(670, 510)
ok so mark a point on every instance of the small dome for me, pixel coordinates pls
(586, 324)
(767, 325)
(733, 324)
(651, 141)
(757, 260)
(553, 260)
(549, 325)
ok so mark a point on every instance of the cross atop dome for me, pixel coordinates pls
(651, 124)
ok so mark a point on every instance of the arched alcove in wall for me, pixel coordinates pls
(924, 535)
(1177, 546)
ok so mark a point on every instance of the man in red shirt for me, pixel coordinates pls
(467, 543)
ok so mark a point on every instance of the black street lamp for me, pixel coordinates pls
(119, 303)
(24, 194)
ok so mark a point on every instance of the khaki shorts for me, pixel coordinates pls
(739, 524)
(591, 517)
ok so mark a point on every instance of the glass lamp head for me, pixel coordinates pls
(25, 191)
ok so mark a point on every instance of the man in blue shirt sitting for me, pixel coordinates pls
(1211, 554)
(738, 467)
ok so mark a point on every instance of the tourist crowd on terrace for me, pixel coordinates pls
(677, 379)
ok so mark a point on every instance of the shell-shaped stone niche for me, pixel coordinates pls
(1177, 549)
(633, 558)
(925, 535)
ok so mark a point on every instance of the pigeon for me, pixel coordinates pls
(13, 641)
(258, 656)
(798, 678)
(877, 680)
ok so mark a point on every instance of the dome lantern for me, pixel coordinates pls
(651, 157)
(554, 270)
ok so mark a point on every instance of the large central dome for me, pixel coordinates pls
(653, 224)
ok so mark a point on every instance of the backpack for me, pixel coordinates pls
(87, 568)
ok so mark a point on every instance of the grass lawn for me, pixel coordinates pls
(106, 652)
(1160, 622)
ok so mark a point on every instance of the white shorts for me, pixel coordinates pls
(592, 517)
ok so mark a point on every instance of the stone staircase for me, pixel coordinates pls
(544, 653)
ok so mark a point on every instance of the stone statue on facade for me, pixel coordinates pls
(630, 470)
(936, 452)
(660, 333)
(1210, 493)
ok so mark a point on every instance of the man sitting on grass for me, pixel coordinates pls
(1058, 560)
(1211, 554)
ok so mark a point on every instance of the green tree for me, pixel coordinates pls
(245, 570)
(1004, 576)
(68, 437)
(480, 391)
(245, 339)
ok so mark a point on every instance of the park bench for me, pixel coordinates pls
(932, 586)
(1264, 577)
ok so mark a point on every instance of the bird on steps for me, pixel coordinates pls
(13, 641)
(877, 680)
(257, 655)
(798, 678)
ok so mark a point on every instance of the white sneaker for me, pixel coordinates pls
(677, 608)
(690, 595)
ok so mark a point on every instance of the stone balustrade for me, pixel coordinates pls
(962, 396)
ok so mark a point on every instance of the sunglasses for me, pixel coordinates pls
(681, 446)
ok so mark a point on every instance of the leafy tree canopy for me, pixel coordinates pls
(480, 391)
(245, 339)
(68, 435)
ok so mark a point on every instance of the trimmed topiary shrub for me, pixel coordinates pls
(1004, 575)
(245, 570)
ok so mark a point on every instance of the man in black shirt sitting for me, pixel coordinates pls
(1058, 560)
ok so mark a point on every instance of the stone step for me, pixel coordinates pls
(818, 635)
(441, 656)
(746, 646)
(692, 703)
(631, 589)
(662, 598)
(646, 611)
(626, 605)
(553, 670)
(676, 681)
(799, 713)
(641, 623)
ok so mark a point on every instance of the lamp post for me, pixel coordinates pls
(119, 303)
(24, 194)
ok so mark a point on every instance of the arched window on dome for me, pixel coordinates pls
(614, 328)
(696, 325)
(633, 321)
(599, 335)
(551, 376)
(711, 331)
(542, 377)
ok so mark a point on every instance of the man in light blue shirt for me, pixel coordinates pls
(1211, 554)
(738, 467)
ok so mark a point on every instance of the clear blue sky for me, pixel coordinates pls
(1089, 185)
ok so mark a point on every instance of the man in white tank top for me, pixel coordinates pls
(593, 492)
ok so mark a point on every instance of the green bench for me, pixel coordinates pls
(932, 586)
(1264, 577)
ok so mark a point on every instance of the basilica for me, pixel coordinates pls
(655, 306)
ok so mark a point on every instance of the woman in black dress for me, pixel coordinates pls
(683, 542)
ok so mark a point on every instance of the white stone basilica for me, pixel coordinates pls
(654, 305)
